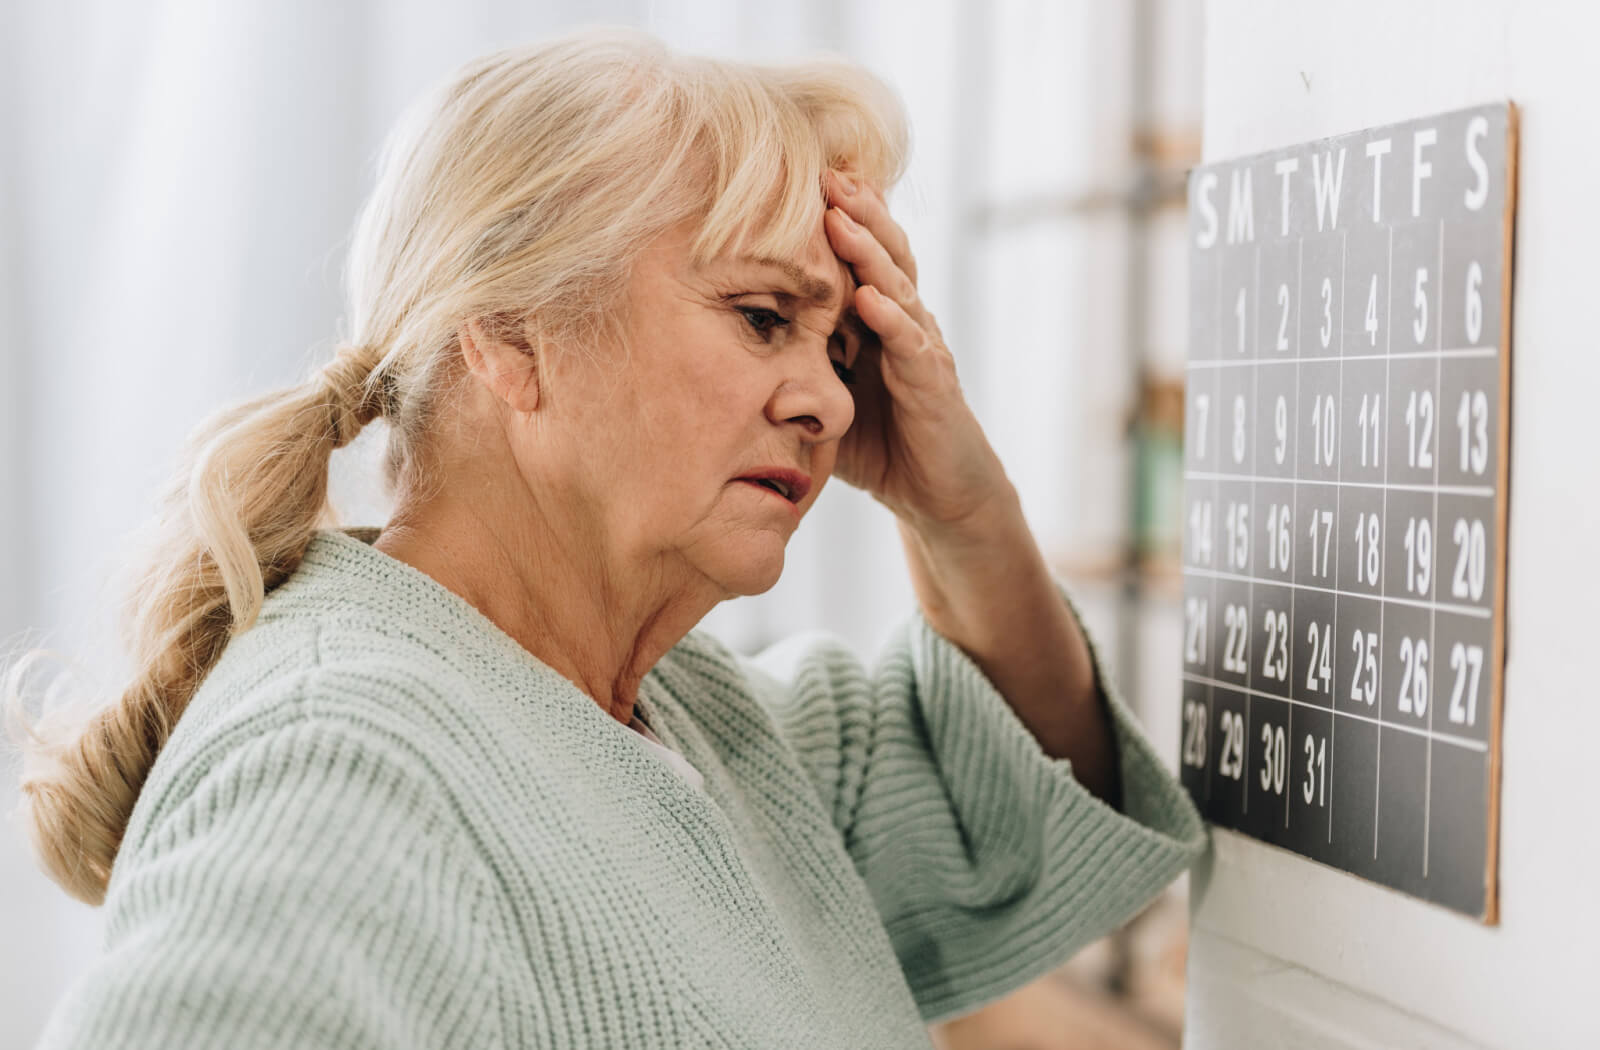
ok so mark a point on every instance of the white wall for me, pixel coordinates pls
(1288, 953)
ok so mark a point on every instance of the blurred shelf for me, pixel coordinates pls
(1168, 147)
(1160, 575)
(1167, 191)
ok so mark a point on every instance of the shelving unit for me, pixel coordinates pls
(1125, 566)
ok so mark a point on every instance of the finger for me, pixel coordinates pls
(870, 260)
(866, 205)
(910, 354)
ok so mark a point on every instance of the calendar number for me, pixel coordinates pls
(1471, 548)
(1280, 426)
(1237, 621)
(1314, 789)
(1239, 413)
(1369, 421)
(1272, 758)
(1322, 431)
(1200, 532)
(1202, 408)
(1364, 684)
(1194, 648)
(1230, 763)
(1325, 332)
(1275, 664)
(1419, 426)
(1194, 734)
(1474, 307)
(1419, 321)
(1372, 312)
(1278, 537)
(1473, 420)
(1319, 669)
(1467, 662)
(1368, 544)
(1239, 312)
(1283, 318)
(1237, 527)
(1419, 555)
(1414, 677)
(1321, 540)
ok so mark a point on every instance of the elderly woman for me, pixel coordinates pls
(473, 779)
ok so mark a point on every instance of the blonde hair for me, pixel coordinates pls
(519, 193)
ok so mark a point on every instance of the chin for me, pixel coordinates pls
(748, 572)
(757, 579)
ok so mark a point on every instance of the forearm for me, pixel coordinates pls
(986, 588)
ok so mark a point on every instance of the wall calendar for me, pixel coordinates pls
(1345, 459)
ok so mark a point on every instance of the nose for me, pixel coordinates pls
(812, 396)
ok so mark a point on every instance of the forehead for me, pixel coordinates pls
(811, 274)
(813, 278)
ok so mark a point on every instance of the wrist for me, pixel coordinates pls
(991, 517)
(964, 571)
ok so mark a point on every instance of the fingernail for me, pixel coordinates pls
(846, 183)
(849, 223)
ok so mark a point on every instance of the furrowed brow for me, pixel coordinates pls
(817, 290)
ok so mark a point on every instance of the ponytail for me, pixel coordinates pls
(234, 524)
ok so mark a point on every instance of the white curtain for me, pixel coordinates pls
(177, 183)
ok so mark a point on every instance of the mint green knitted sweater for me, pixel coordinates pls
(382, 823)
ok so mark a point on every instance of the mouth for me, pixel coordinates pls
(789, 484)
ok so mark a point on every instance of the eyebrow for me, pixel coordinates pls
(817, 290)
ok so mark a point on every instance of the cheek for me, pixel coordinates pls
(715, 376)
(724, 398)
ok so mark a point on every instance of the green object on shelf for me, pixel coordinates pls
(1158, 495)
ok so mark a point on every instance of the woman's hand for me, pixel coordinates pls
(915, 445)
(977, 570)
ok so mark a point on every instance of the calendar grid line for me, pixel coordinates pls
(1294, 501)
(1298, 281)
(1417, 603)
(1482, 491)
(1388, 348)
(1433, 615)
(1460, 351)
(1454, 739)
(1255, 303)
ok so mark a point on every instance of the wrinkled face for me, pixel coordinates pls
(707, 440)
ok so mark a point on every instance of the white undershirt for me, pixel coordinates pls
(673, 759)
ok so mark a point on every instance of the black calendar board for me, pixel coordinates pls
(1347, 427)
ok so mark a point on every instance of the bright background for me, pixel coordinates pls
(177, 185)
(1286, 953)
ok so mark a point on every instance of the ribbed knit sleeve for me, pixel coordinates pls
(309, 885)
(989, 863)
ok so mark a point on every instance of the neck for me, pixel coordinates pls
(595, 619)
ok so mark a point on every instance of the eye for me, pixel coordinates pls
(839, 344)
(763, 320)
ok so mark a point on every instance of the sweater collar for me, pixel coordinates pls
(341, 569)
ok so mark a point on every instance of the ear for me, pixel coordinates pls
(507, 370)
